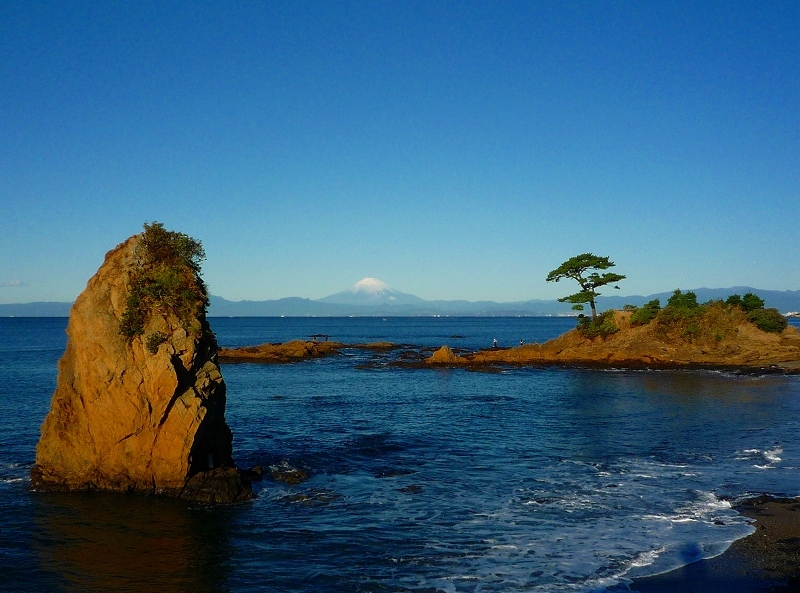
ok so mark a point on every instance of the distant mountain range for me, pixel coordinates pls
(371, 297)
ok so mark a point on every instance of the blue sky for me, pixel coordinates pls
(451, 149)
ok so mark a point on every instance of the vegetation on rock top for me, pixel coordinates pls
(685, 318)
(646, 313)
(604, 325)
(165, 278)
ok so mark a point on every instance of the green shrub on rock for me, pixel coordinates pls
(646, 313)
(768, 320)
(748, 302)
(683, 300)
(155, 340)
(682, 312)
(734, 300)
(166, 278)
(603, 326)
(681, 317)
(752, 302)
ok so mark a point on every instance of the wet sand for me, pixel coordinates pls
(766, 561)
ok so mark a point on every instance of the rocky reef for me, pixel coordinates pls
(292, 351)
(140, 401)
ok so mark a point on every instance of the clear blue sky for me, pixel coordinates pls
(451, 149)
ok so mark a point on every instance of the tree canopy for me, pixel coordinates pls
(748, 302)
(583, 269)
(683, 300)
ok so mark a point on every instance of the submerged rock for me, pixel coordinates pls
(143, 412)
(284, 472)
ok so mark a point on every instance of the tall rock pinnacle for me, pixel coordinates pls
(140, 400)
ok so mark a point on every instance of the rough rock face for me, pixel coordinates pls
(445, 355)
(125, 419)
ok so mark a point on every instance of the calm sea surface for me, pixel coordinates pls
(529, 479)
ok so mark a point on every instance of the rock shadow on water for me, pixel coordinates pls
(100, 542)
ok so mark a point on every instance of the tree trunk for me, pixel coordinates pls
(594, 311)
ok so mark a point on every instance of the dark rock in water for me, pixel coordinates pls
(254, 473)
(220, 485)
(283, 472)
(411, 489)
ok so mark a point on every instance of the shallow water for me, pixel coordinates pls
(421, 480)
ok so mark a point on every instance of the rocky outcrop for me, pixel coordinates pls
(445, 355)
(142, 413)
(734, 343)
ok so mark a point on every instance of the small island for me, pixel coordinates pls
(684, 334)
(737, 333)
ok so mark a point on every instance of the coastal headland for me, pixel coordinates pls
(726, 341)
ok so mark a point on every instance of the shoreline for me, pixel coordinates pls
(766, 561)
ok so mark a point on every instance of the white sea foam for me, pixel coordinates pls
(762, 458)
(646, 558)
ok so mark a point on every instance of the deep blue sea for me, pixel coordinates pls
(421, 480)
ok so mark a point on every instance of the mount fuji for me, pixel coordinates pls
(371, 291)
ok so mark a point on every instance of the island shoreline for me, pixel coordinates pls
(486, 360)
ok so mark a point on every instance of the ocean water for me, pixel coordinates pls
(532, 479)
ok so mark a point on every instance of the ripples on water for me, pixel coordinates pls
(420, 480)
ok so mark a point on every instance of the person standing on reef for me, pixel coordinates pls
(521, 342)
(494, 343)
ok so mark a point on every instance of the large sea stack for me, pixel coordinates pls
(140, 400)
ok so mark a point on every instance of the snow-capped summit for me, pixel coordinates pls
(371, 291)
(370, 286)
